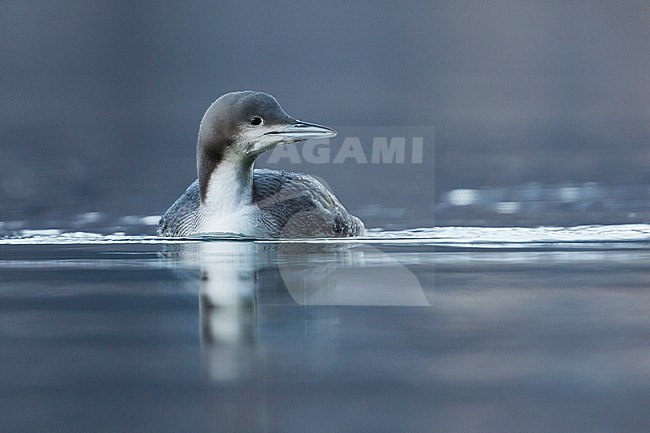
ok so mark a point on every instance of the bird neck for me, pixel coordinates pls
(228, 186)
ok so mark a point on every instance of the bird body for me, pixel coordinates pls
(230, 196)
(281, 201)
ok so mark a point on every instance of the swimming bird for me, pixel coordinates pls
(231, 196)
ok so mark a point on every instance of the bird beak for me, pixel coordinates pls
(300, 131)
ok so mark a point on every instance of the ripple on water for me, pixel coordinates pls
(626, 235)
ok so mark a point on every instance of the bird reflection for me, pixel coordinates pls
(252, 292)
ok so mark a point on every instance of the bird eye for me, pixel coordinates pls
(256, 120)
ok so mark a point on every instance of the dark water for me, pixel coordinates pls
(437, 331)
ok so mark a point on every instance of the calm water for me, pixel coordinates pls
(450, 329)
(531, 114)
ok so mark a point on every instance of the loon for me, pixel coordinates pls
(230, 196)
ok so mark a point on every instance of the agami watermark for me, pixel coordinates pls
(361, 145)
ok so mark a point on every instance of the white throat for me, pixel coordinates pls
(228, 205)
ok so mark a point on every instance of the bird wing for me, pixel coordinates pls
(297, 205)
(181, 219)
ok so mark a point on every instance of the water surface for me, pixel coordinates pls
(446, 329)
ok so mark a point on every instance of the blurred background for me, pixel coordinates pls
(541, 109)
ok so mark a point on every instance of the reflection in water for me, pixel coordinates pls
(242, 282)
(227, 303)
(329, 275)
(300, 337)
